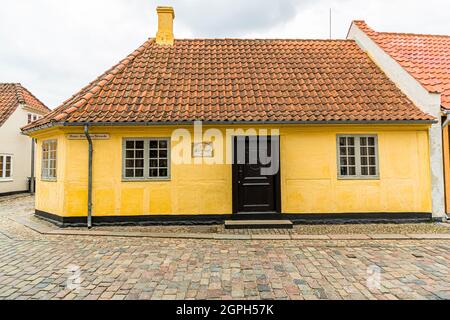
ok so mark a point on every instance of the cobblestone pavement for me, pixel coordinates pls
(35, 266)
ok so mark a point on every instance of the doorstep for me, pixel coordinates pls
(258, 224)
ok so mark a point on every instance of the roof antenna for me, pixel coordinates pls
(330, 25)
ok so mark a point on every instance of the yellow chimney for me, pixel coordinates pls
(164, 36)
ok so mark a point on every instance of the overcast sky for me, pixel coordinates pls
(55, 47)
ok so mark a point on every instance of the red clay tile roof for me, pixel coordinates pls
(12, 95)
(239, 80)
(425, 57)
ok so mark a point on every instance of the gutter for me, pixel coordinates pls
(190, 122)
(88, 137)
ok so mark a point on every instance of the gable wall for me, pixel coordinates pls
(19, 146)
(427, 102)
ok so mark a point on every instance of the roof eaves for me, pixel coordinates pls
(170, 123)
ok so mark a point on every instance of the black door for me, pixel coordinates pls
(256, 179)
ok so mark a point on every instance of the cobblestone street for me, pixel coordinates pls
(36, 266)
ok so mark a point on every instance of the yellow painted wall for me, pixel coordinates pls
(308, 175)
(50, 194)
(446, 153)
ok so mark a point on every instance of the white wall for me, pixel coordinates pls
(13, 142)
(426, 101)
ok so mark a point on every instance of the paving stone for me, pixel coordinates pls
(36, 266)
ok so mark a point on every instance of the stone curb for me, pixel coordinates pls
(218, 236)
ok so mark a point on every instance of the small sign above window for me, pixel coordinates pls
(94, 136)
(202, 150)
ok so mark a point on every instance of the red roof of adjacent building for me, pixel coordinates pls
(236, 80)
(12, 95)
(425, 57)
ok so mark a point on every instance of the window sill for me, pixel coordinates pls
(359, 178)
(48, 180)
(6, 180)
(147, 180)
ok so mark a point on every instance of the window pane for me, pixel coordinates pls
(129, 173)
(139, 173)
(364, 161)
(351, 161)
(363, 141)
(373, 171)
(351, 151)
(153, 163)
(344, 161)
(153, 154)
(139, 163)
(140, 144)
(163, 144)
(130, 154)
(163, 172)
(139, 154)
(371, 141)
(8, 174)
(351, 141)
(363, 151)
(342, 141)
(153, 173)
(154, 144)
(372, 161)
(352, 171)
(163, 163)
(364, 171)
(130, 144)
(343, 151)
(344, 171)
(163, 153)
(129, 163)
(372, 151)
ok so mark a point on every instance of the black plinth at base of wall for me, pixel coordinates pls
(12, 193)
(341, 218)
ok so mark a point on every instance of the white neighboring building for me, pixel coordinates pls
(419, 64)
(17, 108)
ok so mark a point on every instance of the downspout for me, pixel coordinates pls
(88, 137)
(445, 124)
(32, 178)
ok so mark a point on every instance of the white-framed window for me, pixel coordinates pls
(33, 117)
(357, 156)
(6, 167)
(49, 157)
(146, 159)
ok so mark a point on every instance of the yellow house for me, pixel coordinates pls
(203, 130)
